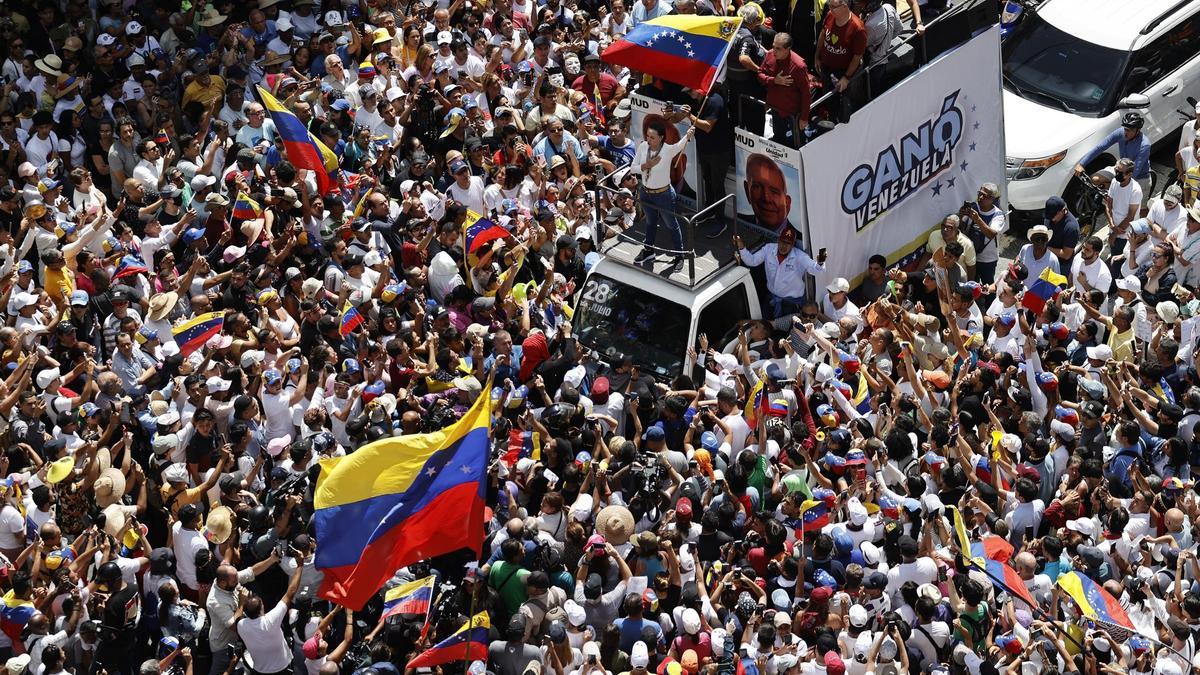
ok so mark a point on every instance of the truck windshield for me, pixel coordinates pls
(1047, 66)
(614, 317)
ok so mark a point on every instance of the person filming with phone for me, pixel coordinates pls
(786, 266)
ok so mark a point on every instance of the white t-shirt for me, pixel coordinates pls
(266, 648)
(278, 410)
(12, 523)
(470, 196)
(1124, 197)
(186, 544)
(921, 571)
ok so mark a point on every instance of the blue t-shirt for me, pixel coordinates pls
(619, 156)
(631, 631)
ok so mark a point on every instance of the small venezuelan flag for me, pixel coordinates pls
(191, 335)
(815, 514)
(304, 150)
(351, 319)
(411, 598)
(522, 444)
(754, 405)
(1042, 290)
(466, 644)
(480, 231)
(246, 208)
(1095, 602)
(399, 500)
(685, 49)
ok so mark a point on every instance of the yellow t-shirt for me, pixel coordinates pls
(205, 95)
(60, 285)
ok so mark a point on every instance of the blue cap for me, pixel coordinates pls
(509, 206)
(774, 372)
(148, 333)
(340, 104)
(470, 103)
(24, 266)
(193, 235)
(88, 409)
(524, 67)
(654, 433)
(272, 376)
(293, 365)
(708, 441)
(80, 298)
(350, 366)
(457, 165)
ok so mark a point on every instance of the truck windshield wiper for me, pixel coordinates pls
(1033, 93)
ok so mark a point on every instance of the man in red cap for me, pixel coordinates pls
(786, 266)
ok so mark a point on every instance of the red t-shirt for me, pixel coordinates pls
(608, 87)
(842, 44)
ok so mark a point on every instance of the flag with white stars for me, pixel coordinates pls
(685, 49)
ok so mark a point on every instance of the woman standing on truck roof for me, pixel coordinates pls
(653, 161)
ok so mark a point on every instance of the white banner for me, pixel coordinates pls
(685, 174)
(769, 188)
(882, 182)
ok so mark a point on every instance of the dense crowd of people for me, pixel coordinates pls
(892, 478)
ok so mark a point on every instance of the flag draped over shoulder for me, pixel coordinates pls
(14, 614)
(466, 644)
(399, 500)
(685, 49)
(991, 555)
(1042, 290)
(754, 404)
(303, 149)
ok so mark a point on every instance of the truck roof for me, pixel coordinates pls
(659, 284)
(711, 257)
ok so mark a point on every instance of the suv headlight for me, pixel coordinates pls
(1028, 169)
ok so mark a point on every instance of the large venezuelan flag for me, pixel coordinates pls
(400, 500)
(685, 49)
(1095, 602)
(479, 231)
(303, 149)
(466, 644)
(192, 335)
(411, 598)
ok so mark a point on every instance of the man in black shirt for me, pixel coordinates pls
(714, 142)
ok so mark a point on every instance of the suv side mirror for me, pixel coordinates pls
(1191, 101)
(1135, 100)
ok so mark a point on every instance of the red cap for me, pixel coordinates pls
(311, 647)
(600, 389)
(683, 507)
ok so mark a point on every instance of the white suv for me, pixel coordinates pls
(1070, 70)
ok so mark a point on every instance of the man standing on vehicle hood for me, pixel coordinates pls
(786, 267)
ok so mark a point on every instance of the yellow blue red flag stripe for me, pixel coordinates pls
(192, 335)
(1095, 602)
(685, 49)
(400, 500)
(303, 150)
(411, 598)
(466, 644)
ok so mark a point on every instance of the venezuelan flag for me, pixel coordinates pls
(14, 614)
(598, 105)
(522, 444)
(161, 138)
(399, 500)
(1095, 602)
(192, 335)
(130, 265)
(361, 205)
(303, 149)
(411, 598)
(685, 49)
(351, 319)
(1042, 290)
(246, 208)
(754, 403)
(466, 644)
(479, 231)
(814, 513)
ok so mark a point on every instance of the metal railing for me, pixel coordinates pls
(903, 58)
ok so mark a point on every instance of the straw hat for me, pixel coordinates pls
(59, 470)
(109, 487)
(252, 228)
(273, 59)
(49, 64)
(162, 304)
(219, 526)
(67, 84)
(211, 17)
(115, 516)
(103, 460)
(615, 523)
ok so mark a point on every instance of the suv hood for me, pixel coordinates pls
(1033, 130)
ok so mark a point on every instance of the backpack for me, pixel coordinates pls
(979, 629)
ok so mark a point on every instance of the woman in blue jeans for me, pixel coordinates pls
(653, 160)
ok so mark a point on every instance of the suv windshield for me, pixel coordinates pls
(1045, 65)
(614, 317)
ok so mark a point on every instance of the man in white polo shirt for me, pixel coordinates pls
(267, 651)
